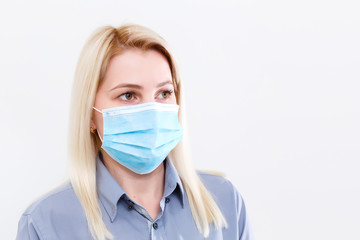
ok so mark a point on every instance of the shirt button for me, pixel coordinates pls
(155, 226)
(130, 207)
(167, 200)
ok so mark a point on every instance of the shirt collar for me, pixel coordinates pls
(110, 191)
(173, 182)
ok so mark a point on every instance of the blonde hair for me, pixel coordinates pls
(105, 43)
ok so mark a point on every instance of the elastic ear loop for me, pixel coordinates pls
(96, 129)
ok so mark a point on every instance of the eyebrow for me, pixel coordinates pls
(130, 85)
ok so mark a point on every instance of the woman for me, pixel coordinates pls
(131, 176)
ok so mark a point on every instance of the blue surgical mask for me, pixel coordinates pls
(140, 136)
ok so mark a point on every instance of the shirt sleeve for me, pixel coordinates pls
(244, 225)
(245, 231)
(27, 229)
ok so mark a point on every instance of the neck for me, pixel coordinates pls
(139, 187)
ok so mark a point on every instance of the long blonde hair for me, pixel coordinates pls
(105, 43)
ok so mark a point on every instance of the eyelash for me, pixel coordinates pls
(170, 92)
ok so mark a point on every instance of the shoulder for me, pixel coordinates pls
(50, 214)
(225, 194)
(54, 200)
(231, 204)
(219, 185)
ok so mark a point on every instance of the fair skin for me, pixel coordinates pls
(135, 77)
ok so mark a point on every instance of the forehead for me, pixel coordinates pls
(137, 66)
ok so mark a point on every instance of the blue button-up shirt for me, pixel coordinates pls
(59, 215)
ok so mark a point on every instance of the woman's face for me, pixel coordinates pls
(133, 77)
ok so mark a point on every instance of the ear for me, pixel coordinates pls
(92, 124)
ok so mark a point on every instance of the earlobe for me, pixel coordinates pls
(92, 124)
(92, 130)
(92, 127)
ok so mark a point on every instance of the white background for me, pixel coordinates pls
(272, 98)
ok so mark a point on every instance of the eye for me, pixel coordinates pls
(165, 94)
(127, 96)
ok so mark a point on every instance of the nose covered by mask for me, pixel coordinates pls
(140, 136)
